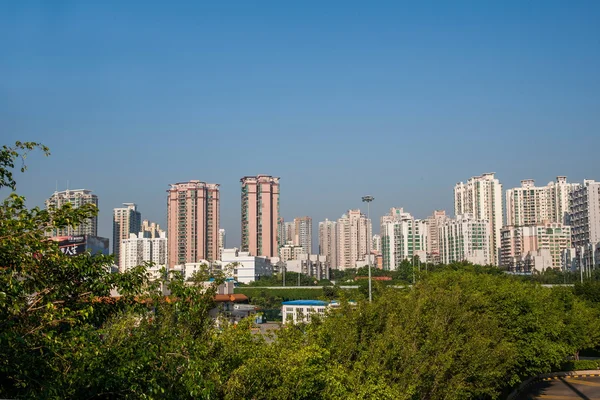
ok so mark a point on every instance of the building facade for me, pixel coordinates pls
(290, 251)
(532, 205)
(481, 197)
(521, 243)
(402, 238)
(434, 222)
(584, 215)
(126, 220)
(303, 233)
(192, 222)
(140, 248)
(465, 238)
(354, 239)
(150, 229)
(260, 215)
(328, 242)
(77, 198)
(245, 268)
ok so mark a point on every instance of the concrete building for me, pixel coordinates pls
(150, 229)
(521, 244)
(290, 251)
(246, 267)
(222, 241)
(303, 233)
(376, 246)
(434, 222)
(281, 232)
(77, 198)
(139, 249)
(313, 265)
(297, 311)
(260, 215)
(354, 238)
(328, 242)
(481, 197)
(532, 205)
(465, 239)
(126, 220)
(193, 222)
(584, 215)
(402, 238)
(289, 232)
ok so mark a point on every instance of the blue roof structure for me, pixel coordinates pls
(305, 303)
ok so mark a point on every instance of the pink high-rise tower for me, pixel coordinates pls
(192, 222)
(260, 215)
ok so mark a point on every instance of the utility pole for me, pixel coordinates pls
(368, 200)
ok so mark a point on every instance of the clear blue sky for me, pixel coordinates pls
(396, 99)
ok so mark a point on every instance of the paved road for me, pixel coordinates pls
(565, 388)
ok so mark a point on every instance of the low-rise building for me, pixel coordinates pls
(245, 268)
(296, 311)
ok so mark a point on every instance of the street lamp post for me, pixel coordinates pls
(368, 200)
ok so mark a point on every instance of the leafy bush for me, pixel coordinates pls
(580, 365)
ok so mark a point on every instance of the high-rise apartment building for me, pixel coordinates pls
(376, 246)
(150, 229)
(138, 249)
(328, 242)
(193, 222)
(481, 197)
(77, 198)
(291, 251)
(280, 232)
(126, 220)
(260, 215)
(584, 215)
(354, 238)
(531, 205)
(402, 238)
(222, 241)
(289, 232)
(434, 222)
(465, 239)
(303, 230)
(521, 242)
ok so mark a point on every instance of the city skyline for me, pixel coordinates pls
(432, 93)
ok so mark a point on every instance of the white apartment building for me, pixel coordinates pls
(481, 197)
(290, 252)
(150, 229)
(354, 238)
(584, 215)
(465, 239)
(303, 233)
(246, 268)
(328, 242)
(376, 246)
(402, 238)
(222, 241)
(126, 220)
(521, 244)
(139, 249)
(77, 198)
(531, 205)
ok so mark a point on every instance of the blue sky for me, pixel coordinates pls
(396, 99)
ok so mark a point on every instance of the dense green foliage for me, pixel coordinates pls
(460, 332)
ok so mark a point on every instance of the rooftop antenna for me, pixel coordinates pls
(67, 184)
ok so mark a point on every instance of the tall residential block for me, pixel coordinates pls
(140, 248)
(481, 197)
(434, 222)
(328, 246)
(126, 220)
(354, 239)
(531, 205)
(376, 247)
(77, 198)
(222, 241)
(465, 239)
(193, 222)
(521, 243)
(303, 233)
(584, 215)
(260, 215)
(402, 238)
(150, 229)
